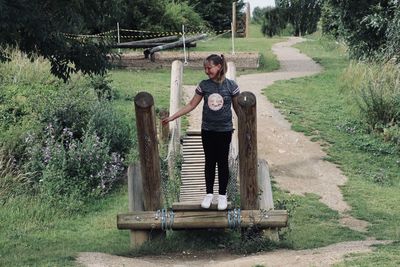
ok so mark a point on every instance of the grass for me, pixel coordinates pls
(37, 235)
(319, 107)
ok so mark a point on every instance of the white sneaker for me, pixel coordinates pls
(222, 202)
(207, 201)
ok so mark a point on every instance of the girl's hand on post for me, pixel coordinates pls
(166, 120)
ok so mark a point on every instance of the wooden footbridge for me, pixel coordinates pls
(147, 217)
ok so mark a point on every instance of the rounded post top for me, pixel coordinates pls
(247, 99)
(144, 100)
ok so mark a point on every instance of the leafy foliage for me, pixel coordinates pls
(258, 14)
(274, 21)
(370, 27)
(302, 14)
(178, 14)
(218, 13)
(37, 26)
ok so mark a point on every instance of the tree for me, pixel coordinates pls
(258, 14)
(273, 21)
(368, 27)
(218, 13)
(330, 20)
(302, 14)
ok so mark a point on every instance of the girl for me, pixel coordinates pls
(219, 95)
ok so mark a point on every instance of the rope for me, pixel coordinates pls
(234, 218)
(184, 45)
(141, 34)
(164, 215)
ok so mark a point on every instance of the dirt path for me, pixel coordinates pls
(322, 257)
(296, 164)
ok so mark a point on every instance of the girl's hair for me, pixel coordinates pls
(216, 59)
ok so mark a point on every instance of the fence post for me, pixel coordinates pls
(247, 134)
(247, 20)
(233, 19)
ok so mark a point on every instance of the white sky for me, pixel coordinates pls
(260, 3)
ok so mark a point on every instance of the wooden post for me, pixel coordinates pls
(247, 133)
(231, 74)
(266, 200)
(176, 92)
(248, 20)
(174, 106)
(135, 202)
(148, 150)
(234, 19)
(234, 148)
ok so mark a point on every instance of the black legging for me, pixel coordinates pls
(216, 150)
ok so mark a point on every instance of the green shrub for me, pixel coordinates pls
(178, 14)
(73, 169)
(109, 125)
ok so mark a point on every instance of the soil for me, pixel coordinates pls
(194, 60)
(297, 166)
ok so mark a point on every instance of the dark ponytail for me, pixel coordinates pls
(216, 59)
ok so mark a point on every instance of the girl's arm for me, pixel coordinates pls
(235, 105)
(186, 109)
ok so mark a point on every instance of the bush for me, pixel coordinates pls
(178, 14)
(70, 168)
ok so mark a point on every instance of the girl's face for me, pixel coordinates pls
(212, 70)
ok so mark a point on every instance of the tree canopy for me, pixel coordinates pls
(218, 13)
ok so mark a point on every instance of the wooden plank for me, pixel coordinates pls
(194, 142)
(194, 132)
(194, 151)
(193, 156)
(195, 205)
(145, 220)
(191, 161)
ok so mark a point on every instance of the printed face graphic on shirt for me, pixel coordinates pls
(215, 102)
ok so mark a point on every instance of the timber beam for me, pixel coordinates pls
(179, 220)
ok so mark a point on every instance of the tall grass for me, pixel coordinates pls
(376, 89)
